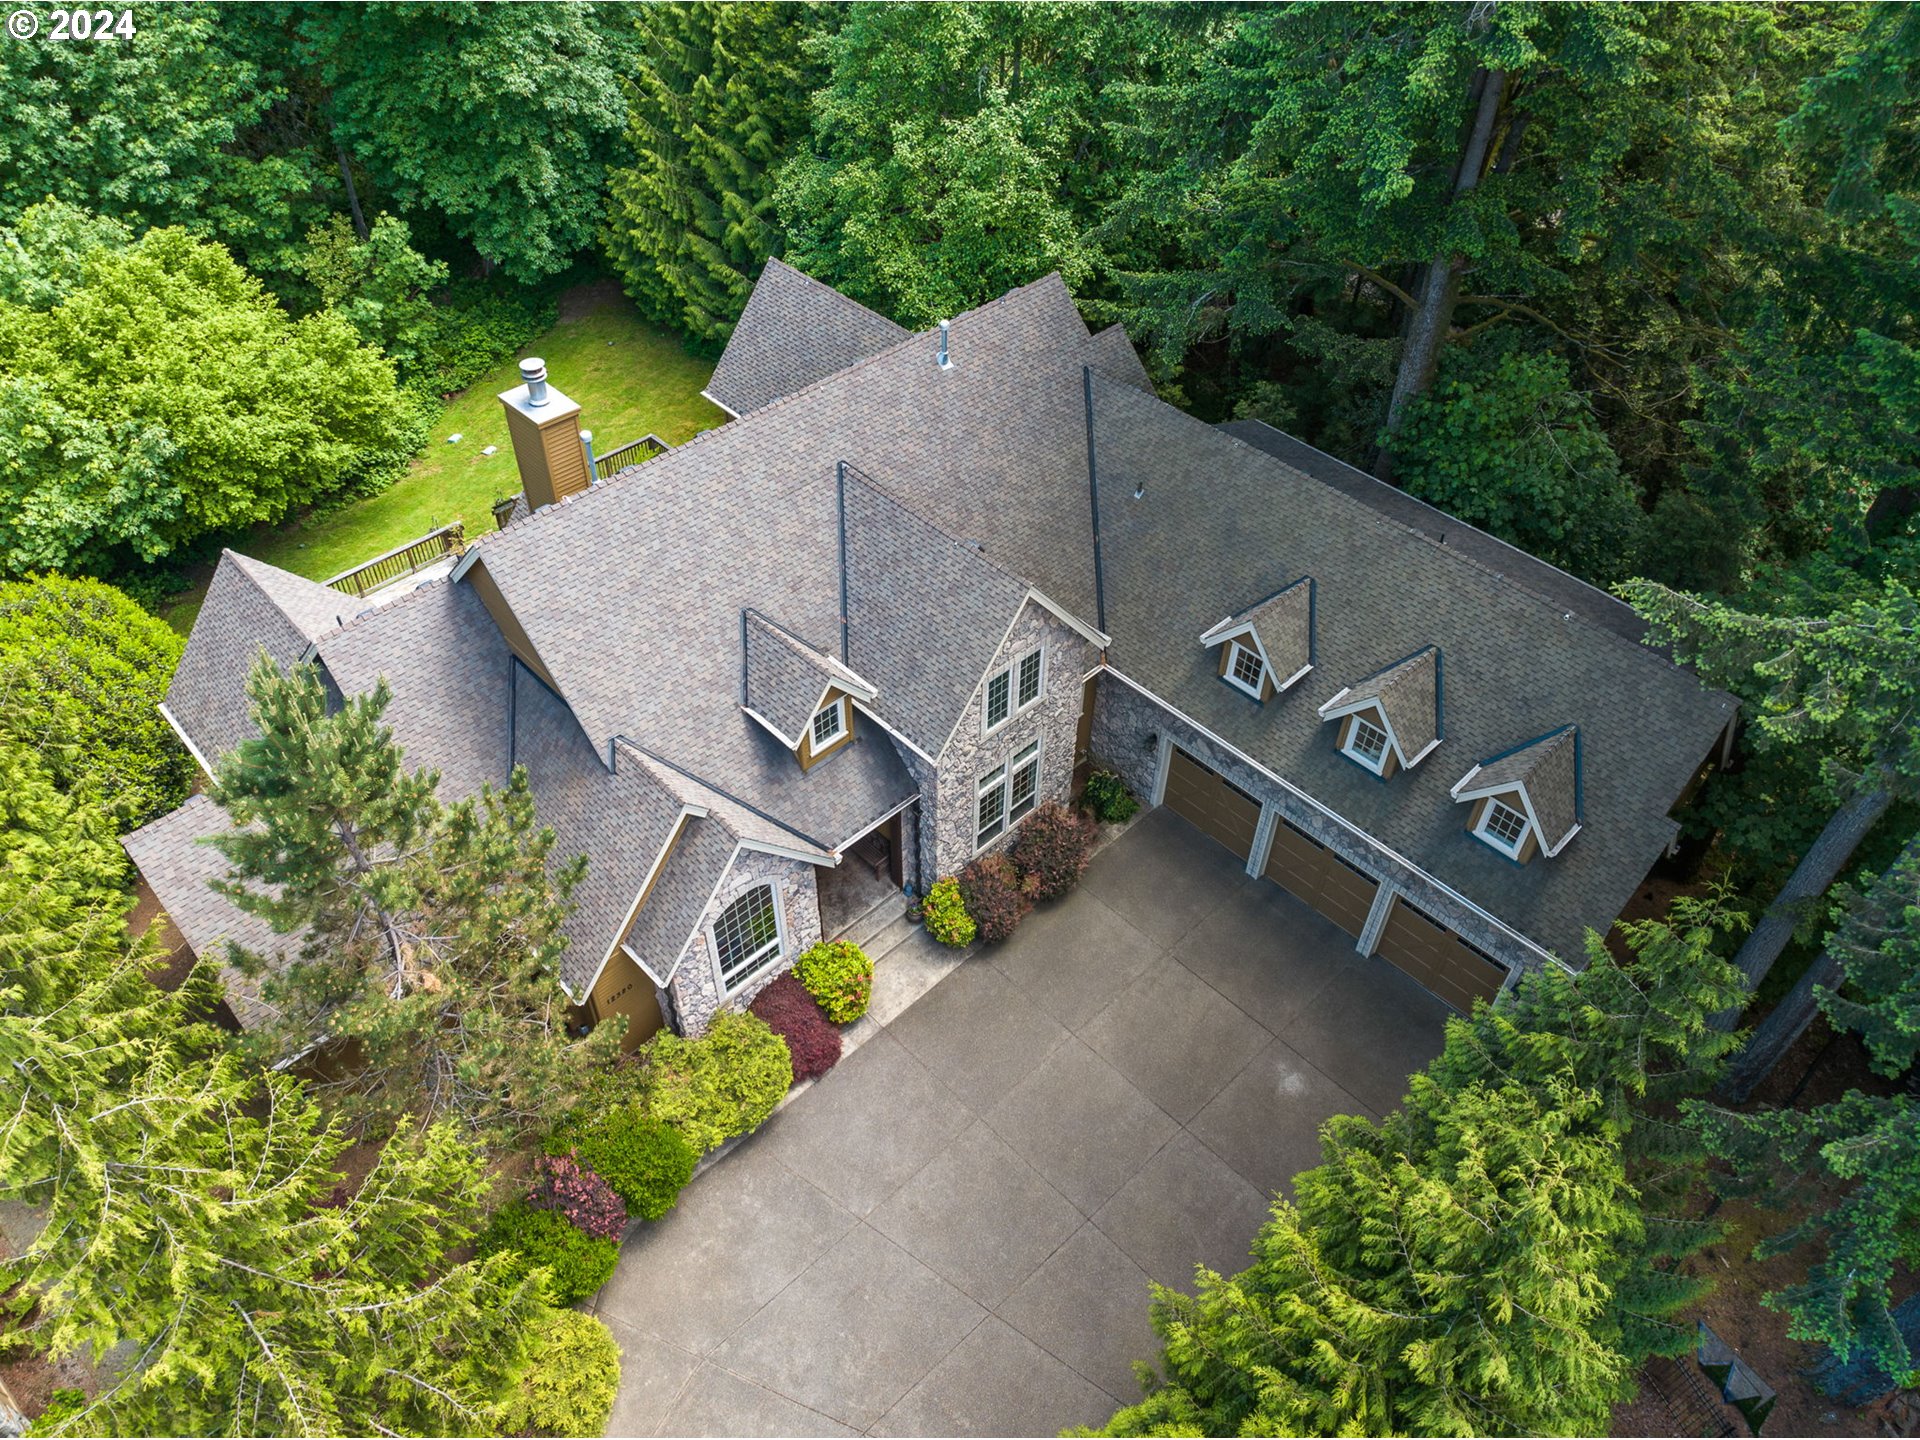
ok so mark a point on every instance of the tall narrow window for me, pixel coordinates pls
(999, 698)
(1029, 679)
(1023, 788)
(746, 936)
(1013, 689)
(992, 812)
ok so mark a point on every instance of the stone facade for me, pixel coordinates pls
(949, 793)
(695, 991)
(1130, 737)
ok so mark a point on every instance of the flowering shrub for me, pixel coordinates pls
(990, 889)
(812, 1042)
(946, 914)
(576, 1263)
(1108, 797)
(720, 1085)
(839, 975)
(1053, 849)
(567, 1383)
(646, 1162)
(573, 1192)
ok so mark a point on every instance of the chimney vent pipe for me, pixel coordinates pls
(533, 371)
(945, 361)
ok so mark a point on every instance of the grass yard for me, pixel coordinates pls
(628, 378)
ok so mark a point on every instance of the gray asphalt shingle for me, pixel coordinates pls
(793, 332)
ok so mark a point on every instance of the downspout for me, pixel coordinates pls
(1093, 496)
(840, 485)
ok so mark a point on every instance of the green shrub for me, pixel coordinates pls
(838, 974)
(946, 915)
(645, 1161)
(1108, 798)
(62, 1406)
(720, 1085)
(576, 1263)
(567, 1384)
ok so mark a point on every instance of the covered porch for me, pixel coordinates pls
(871, 873)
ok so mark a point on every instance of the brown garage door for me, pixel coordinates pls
(1310, 870)
(1205, 797)
(1438, 958)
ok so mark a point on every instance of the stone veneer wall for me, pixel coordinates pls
(1126, 727)
(696, 986)
(948, 796)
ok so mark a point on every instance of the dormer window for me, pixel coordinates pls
(1246, 669)
(829, 724)
(1013, 689)
(1503, 827)
(1367, 743)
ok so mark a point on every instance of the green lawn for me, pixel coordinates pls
(628, 378)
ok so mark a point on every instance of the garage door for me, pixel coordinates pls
(1438, 958)
(1300, 863)
(1205, 797)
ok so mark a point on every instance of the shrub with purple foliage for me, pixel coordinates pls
(1053, 849)
(990, 889)
(812, 1040)
(580, 1197)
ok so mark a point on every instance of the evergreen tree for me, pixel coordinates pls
(1485, 1260)
(1844, 686)
(717, 97)
(431, 933)
(1863, 1149)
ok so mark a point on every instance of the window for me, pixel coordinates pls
(1007, 793)
(746, 936)
(1367, 743)
(829, 724)
(1013, 689)
(1505, 826)
(1246, 669)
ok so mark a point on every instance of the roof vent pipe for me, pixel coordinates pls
(945, 360)
(533, 370)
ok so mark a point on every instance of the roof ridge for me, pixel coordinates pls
(835, 291)
(386, 607)
(244, 563)
(1454, 556)
(1392, 665)
(619, 476)
(724, 794)
(972, 547)
(1571, 727)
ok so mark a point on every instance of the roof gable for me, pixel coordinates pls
(784, 680)
(1410, 694)
(1282, 623)
(1547, 772)
(793, 331)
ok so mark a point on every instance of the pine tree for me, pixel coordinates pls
(432, 934)
(719, 94)
(1863, 1149)
(1484, 1261)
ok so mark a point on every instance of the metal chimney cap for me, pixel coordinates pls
(943, 359)
(533, 370)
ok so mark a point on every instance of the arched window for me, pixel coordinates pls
(746, 936)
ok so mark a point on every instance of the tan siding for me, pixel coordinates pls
(1226, 649)
(808, 758)
(624, 989)
(503, 618)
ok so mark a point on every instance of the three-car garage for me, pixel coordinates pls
(1411, 939)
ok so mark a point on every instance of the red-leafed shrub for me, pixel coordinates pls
(580, 1197)
(813, 1041)
(990, 889)
(1053, 849)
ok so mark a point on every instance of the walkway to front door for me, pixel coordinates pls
(952, 1233)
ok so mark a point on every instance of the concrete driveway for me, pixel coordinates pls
(952, 1233)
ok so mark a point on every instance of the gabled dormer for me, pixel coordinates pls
(800, 695)
(1527, 800)
(1394, 718)
(1267, 647)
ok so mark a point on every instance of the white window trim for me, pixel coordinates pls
(747, 975)
(1004, 784)
(1236, 647)
(836, 708)
(1377, 764)
(1482, 830)
(1014, 708)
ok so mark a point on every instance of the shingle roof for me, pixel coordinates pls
(169, 853)
(1282, 622)
(1548, 767)
(1112, 356)
(249, 607)
(1410, 693)
(784, 677)
(793, 332)
(1217, 521)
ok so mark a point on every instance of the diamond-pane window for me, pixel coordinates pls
(746, 936)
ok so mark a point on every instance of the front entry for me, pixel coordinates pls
(1438, 958)
(1207, 799)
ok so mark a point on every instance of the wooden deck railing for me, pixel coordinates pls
(402, 561)
(606, 466)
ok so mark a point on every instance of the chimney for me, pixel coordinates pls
(545, 426)
(943, 359)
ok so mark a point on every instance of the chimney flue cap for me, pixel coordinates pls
(533, 370)
(944, 360)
